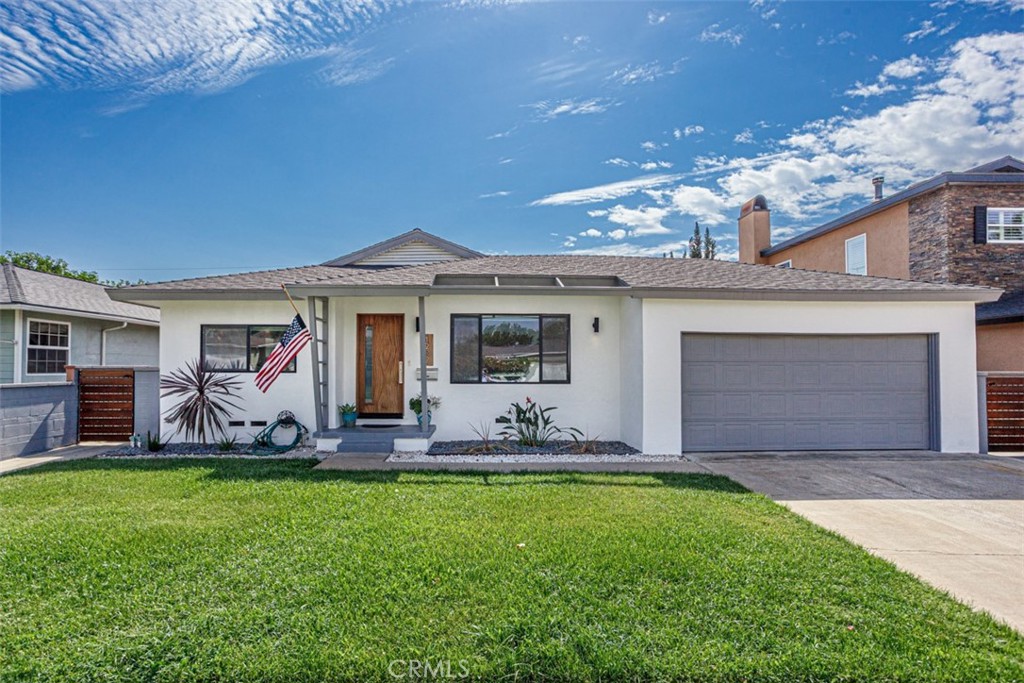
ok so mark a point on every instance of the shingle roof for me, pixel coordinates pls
(255, 281)
(1009, 308)
(636, 273)
(20, 286)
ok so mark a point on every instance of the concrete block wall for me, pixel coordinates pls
(37, 417)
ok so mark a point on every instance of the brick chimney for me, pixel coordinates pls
(755, 228)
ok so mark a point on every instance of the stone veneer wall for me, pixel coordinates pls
(926, 218)
(942, 247)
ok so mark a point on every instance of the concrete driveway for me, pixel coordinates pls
(956, 521)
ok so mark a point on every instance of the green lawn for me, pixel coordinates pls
(251, 570)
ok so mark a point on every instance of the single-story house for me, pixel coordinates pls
(49, 321)
(668, 355)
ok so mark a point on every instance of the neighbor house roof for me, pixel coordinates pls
(562, 274)
(1004, 171)
(30, 289)
(1007, 310)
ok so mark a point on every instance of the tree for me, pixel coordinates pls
(703, 246)
(47, 264)
(710, 245)
(30, 260)
(696, 243)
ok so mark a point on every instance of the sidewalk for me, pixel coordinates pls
(76, 452)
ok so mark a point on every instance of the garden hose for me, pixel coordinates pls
(264, 444)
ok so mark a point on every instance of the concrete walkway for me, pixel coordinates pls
(956, 521)
(76, 452)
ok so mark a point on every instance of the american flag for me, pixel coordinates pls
(294, 340)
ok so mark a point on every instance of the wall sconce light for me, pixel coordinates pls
(417, 323)
(597, 325)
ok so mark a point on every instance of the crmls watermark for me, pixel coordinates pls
(428, 668)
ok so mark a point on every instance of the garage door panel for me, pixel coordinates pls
(792, 392)
(770, 406)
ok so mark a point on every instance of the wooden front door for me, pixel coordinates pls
(380, 365)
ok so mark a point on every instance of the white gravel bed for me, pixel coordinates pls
(303, 453)
(422, 457)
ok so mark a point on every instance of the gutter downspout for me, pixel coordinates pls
(103, 340)
(424, 398)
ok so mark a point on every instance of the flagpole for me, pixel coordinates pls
(291, 301)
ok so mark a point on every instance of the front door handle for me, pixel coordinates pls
(401, 375)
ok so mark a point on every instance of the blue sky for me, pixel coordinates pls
(160, 140)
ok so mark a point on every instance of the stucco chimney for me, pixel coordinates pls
(755, 230)
(878, 181)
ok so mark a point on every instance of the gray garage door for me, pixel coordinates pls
(804, 392)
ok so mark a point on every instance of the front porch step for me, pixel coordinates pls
(362, 439)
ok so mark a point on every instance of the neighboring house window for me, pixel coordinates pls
(785, 264)
(1005, 225)
(48, 347)
(857, 255)
(510, 349)
(240, 348)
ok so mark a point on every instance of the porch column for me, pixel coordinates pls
(424, 402)
(314, 348)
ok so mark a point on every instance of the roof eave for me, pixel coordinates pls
(137, 296)
(78, 313)
(913, 191)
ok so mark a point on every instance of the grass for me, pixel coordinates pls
(226, 570)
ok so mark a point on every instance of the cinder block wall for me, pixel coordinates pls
(37, 417)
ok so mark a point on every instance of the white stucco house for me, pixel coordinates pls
(668, 355)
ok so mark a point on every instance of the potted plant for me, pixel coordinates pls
(416, 405)
(347, 412)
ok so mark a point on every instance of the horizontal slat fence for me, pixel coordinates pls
(106, 404)
(1005, 398)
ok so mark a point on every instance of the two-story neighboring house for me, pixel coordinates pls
(957, 228)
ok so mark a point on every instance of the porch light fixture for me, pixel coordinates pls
(597, 325)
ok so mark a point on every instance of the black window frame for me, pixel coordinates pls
(480, 347)
(294, 363)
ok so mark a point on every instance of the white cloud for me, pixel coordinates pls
(701, 203)
(499, 193)
(715, 33)
(688, 131)
(618, 161)
(641, 221)
(908, 67)
(926, 28)
(617, 234)
(569, 242)
(552, 109)
(505, 160)
(351, 67)
(600, 193)
(154, 48)
(870, 90)
(631, 75)
(744, 137)
(654, 18)
(655, 165)
(590, 232)
(652, 146)
(840, 38)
